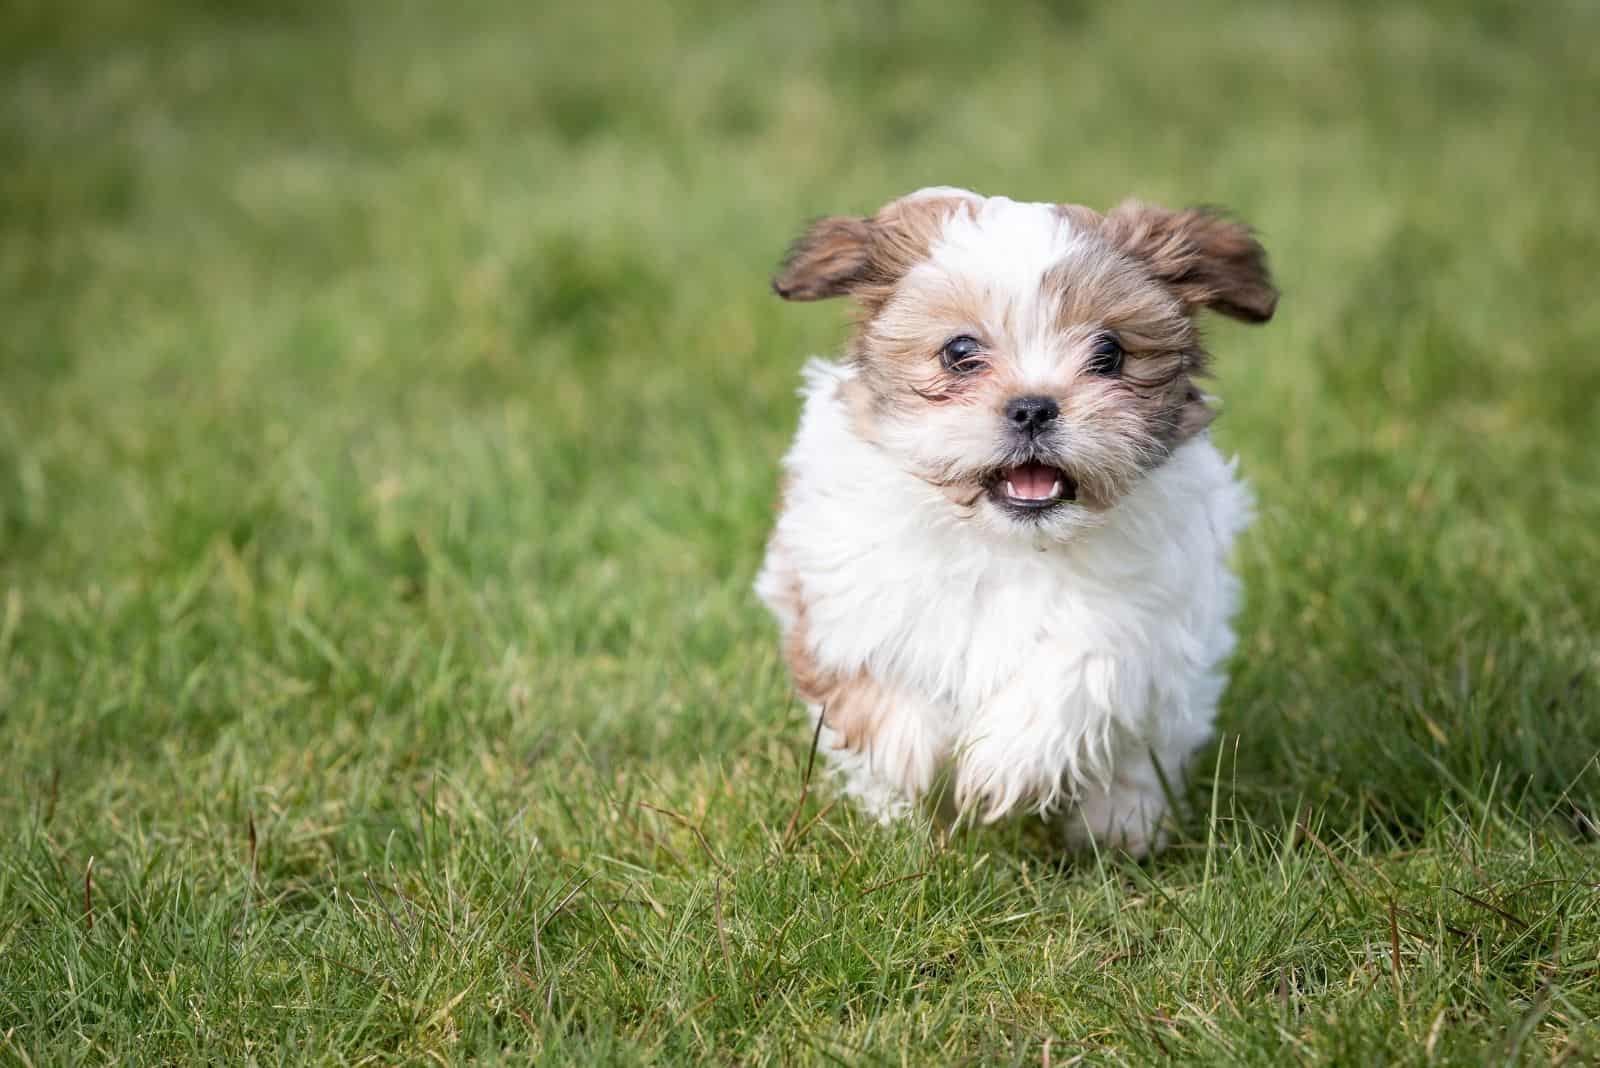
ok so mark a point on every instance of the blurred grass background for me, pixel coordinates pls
(390, 405)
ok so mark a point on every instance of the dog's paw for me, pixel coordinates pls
(1131, 819)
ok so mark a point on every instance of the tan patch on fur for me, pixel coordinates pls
(853, 705)
(785, 484)
(903, 234)
(897, 347)
(1110, 291)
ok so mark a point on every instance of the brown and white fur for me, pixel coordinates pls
(1003, 540)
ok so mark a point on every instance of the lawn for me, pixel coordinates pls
(390, 409)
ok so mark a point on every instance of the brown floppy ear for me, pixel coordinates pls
(1211, 261)
(866, 258)
(828, 260)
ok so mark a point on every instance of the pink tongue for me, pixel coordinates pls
(1032, 482)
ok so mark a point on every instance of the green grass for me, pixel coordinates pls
(390, 407)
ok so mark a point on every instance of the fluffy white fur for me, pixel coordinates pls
(1070, 664)
(1044, 671)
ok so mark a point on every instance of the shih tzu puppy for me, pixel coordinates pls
(1002, 553)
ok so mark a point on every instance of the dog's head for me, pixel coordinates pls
(1032, 360)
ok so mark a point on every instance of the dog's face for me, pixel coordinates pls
(1031, 360)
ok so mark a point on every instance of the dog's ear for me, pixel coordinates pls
(866, 258)
(829, 260)
(1211, 261)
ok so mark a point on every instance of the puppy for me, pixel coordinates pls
(1002, 548)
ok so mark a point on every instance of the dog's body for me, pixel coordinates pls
(1004, 533)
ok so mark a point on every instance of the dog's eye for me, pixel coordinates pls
(1106, 356)
(960, 354)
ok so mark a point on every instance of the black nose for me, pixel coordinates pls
(1030, 415)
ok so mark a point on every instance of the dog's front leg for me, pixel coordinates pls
(1070, 729)
(1025, 745)
(1130, 810)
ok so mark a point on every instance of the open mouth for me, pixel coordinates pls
(1032, 487)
